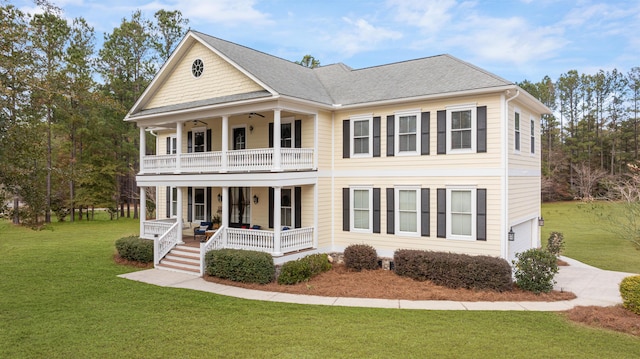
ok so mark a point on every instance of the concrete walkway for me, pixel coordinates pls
(591, 285)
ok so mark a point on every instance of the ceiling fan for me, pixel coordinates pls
(255, 114)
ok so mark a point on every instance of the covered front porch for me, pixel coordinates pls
(266, 219)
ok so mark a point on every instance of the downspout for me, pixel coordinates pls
(505, 176)
(333, 190)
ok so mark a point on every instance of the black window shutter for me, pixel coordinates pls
(391, 150)
(298, 136)
(424, 216)
(346, 225)
(168, 145)
(442, 213)
(209, 209)
(298, 206)
(390, 212)
(442, 132)
(168, 202)
(376, 136)
(270, 134)
(189, 204)
(481, 128)
(346, 139)
(189, 142)
(481, 212)
(209, 140)
(271, 195)
(424, 128)
(376, 210)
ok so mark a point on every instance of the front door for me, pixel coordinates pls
(239, 207)
(239, 138)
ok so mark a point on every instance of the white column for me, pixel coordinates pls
(277, 212)
(143, 209)
(276, 140)
(225, 145)
(225, 214)
(315, 216)
(178, 168)
(315, 142)
(179, 214)
(143, 146)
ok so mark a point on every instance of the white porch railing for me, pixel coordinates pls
(296, 239)
(250, 239)
(164, 244)
(259, 159)
(155, 229)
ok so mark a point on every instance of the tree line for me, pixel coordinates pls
(591, 141)
(64, 147)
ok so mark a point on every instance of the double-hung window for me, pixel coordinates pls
(407, 131)
(407, 210)
(174, 201)
(172, 144)
(199, 204)
(199, 139)
(461, 213)
(286, 209)
(362, 130)
(533, 136)
(517, 131)
(361, 208)
(461, 129)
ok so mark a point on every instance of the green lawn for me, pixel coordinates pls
(588, 236)
(60, 297)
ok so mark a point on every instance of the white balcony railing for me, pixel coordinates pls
(260, 159)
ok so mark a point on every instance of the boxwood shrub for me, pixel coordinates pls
(360, 256)
(240, 265)
(303, 269)
(135, 249)
(454, 270)
(630, 293)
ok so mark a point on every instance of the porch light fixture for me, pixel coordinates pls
(255, 199)
(219, 197)
(251, 128)
(512, 235)
(541, 221)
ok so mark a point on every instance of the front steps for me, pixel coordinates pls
(182, 259)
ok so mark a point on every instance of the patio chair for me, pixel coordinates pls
(202, 230)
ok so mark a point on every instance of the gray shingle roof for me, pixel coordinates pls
(339, 84)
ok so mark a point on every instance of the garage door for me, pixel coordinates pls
(523, 239)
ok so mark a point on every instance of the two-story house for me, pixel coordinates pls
(432, 153)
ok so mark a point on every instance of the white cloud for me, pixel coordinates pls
(360, 36)
(429, 16)
(228, 12)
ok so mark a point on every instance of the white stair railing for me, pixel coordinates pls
(164, 244)
(154, 229)
(215, 242)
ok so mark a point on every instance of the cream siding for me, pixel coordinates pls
(218, 79)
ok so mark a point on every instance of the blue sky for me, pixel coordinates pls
(517, 40)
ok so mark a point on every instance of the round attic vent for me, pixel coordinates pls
(197, 68)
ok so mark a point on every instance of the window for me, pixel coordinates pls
(407, 210)
(199, 139)
(174, 201)
(461, 129)
(533, 136)
(172, 144)
(461, 208)
(408, 128)
(286, 213)
(197, 68)
(362, 213)
(286, 140)
(517, 134)
(362, 137)
(198, 204)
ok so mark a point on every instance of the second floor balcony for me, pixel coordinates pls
(247, 160)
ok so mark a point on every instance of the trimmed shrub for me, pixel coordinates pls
(630, 293)
(555, 243)
(454, 270)
(303, 269)
(535, 269)
(360, 256)
(135, 249)
(240, 265)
